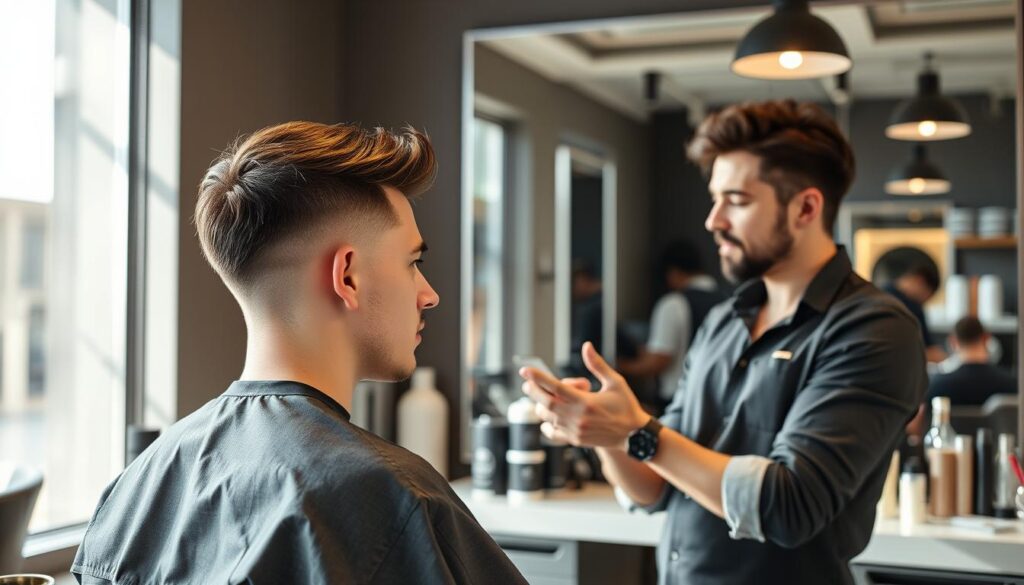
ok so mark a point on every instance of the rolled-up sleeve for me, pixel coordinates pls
(866, 384)
(741, 495)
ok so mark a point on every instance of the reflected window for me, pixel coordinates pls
(487, 331)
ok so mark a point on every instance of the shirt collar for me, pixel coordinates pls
(284, 388)
(751, 295)
(826, 283)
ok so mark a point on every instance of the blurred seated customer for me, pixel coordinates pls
(914, 287)
(976, 379)
(675, 320)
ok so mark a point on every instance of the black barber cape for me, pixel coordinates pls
(271, 483)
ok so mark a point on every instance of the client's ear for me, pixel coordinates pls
(346, 277)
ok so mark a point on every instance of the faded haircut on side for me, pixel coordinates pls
(286, 180)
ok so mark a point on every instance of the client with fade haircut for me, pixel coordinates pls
(311, 228)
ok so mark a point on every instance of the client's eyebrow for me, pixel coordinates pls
(421, 249)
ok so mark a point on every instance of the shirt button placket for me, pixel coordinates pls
(674, 555)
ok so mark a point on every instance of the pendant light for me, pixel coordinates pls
(928, 115)
(792, 43)
(918, 177)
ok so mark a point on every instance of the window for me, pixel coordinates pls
(33, 242)
(64, 217)
(487, 331)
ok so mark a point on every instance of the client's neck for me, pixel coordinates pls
(313, 356)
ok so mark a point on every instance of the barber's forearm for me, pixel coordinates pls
(691, 468)
(640, 483)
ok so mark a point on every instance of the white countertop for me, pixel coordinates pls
(942, 547)
(592, 514)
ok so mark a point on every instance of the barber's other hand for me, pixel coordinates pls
(573, 414)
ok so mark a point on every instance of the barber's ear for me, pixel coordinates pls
(811, 204)
(345, 277)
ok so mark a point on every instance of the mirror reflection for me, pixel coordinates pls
(629, 94)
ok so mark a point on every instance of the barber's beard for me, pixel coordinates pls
(755, 263)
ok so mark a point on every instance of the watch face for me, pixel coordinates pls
(642, 445)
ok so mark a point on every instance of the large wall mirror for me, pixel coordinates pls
(574, 137)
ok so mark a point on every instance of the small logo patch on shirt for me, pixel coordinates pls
(782, 354)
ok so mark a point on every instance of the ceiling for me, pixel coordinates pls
(973, 42)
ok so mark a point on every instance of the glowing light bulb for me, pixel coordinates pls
(791, 59)
(927, 128)
(916, 185)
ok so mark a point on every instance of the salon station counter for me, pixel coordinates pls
(559, 524)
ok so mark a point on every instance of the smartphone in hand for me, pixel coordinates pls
(532, 361)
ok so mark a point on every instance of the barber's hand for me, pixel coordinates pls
(573, 414)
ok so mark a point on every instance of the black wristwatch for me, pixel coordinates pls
(643, 443)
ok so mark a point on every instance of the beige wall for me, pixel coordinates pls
(244, 65)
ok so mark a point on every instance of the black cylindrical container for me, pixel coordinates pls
(525, 475)
(557, 463)
(984, 472)
(490, 443)
(523, 426)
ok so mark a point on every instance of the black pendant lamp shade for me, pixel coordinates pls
(792, 43)
(918, 177)
(928, 115)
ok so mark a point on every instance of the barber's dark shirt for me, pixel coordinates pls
(816, 406)
(271, 483)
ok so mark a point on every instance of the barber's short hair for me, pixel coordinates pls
(926, 272)
(287, 178)
(968, 330)
(800, 147)
(682, 255)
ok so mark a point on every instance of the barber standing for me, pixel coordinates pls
(772, 455)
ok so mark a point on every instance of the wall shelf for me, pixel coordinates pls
(975, 243)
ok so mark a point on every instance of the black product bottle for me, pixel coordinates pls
(984, 475)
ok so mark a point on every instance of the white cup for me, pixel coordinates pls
(958, 297)
(990, 298)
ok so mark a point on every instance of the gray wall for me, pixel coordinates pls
(680, 197)
(546, 115)
(244, 65)
(404, 64)
(981, 166)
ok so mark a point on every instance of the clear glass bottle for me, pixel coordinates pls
(1003, 504)
(941, 435)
